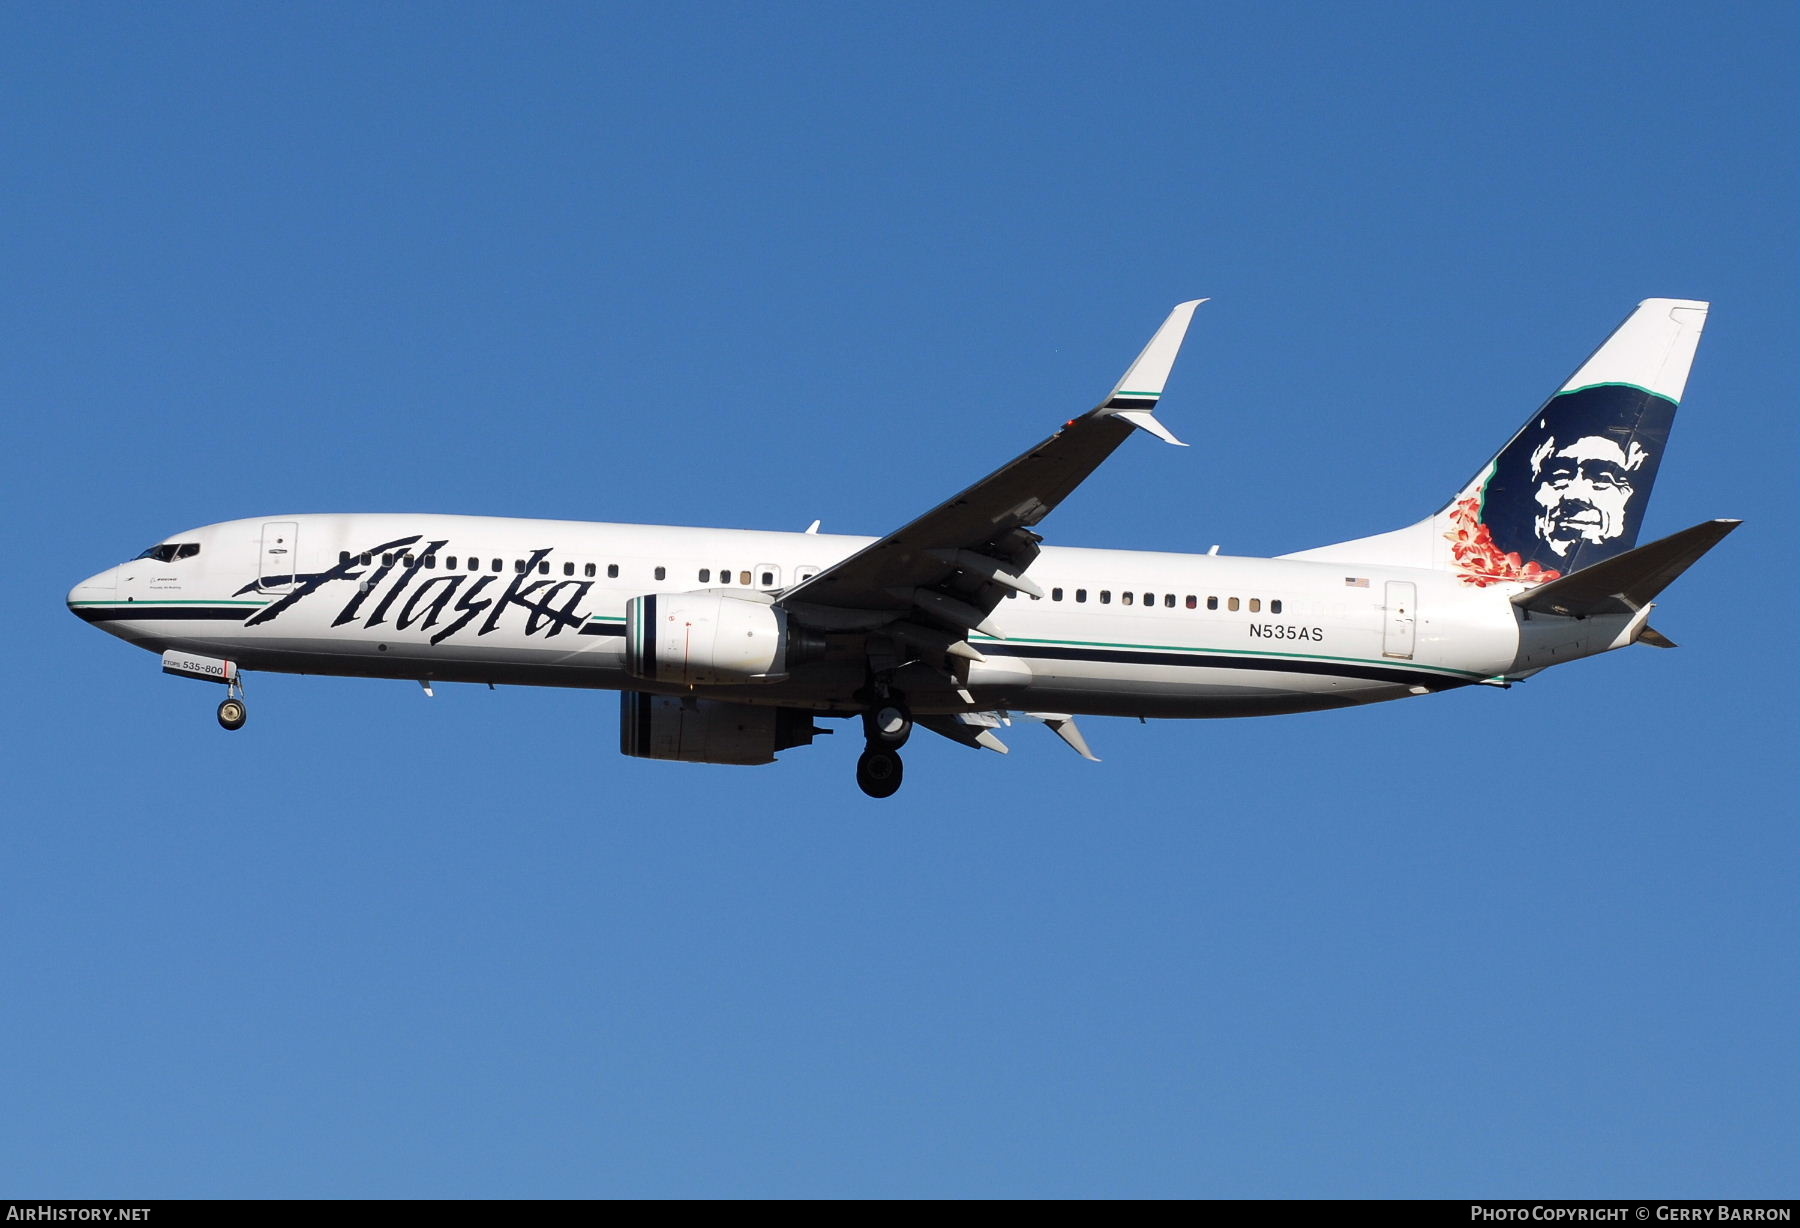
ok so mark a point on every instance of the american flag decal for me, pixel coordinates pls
(1356, 582)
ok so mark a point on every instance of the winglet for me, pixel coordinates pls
(1136, 394)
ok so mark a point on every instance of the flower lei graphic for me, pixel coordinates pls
(1479, 561)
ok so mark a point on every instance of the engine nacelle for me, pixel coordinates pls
(694, 730)
(710, 639)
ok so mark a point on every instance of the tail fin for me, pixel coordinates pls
(1570, 488)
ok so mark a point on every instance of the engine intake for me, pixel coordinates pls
(711, 639)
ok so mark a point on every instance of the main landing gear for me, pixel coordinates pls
(886, 726)
(232, 712)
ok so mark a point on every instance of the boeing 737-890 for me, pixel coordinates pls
(729, 645)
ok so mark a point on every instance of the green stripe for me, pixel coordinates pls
(1386, 663)
(1618, 384)
(1125, 393)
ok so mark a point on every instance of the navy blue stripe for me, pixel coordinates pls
(1332, 669)
(163, 613)
(602, 629)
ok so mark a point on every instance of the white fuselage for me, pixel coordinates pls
(542, 602)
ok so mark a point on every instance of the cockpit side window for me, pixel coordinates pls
(168, 552)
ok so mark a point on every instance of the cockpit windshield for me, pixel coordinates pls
(168, 552)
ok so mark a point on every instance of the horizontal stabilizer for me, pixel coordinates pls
(1627, 582)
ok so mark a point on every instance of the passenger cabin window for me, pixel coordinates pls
(1106, 596)
(1212, 603)
(343, 557)
(1256, 605)
(768, 579)
(1126, 598)
(706, 575)
(743, 577)
(543, 568)
(1169, 601)
(1231, 603)
(588, 571)
(387, 560)
(519, 566)
(431, 562)
(568, 569)
(1056, 594)
(498, 564)
(662, 573)
(1275, 606)
(612, 571)
(1193, 603)
(1080, 595)
(368, 559)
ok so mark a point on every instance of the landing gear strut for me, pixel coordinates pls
(886, 726)
(232, 712)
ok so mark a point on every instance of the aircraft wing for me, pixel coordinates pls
(935, 579)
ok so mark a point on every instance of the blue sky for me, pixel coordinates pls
(752, 265)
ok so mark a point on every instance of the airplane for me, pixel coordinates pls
(729, 645)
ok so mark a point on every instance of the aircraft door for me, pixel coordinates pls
(1401, 619)
(275, 566)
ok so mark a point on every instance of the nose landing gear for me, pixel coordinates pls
(886, 726)
(232, 711)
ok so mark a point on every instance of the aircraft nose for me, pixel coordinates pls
(102, 587)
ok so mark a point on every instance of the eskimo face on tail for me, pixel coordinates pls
(1584, 489)
(1571, 488)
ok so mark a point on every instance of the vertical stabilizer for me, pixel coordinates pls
(1570, 488)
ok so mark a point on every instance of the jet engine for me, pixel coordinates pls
(712, 639)
(694, 730)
